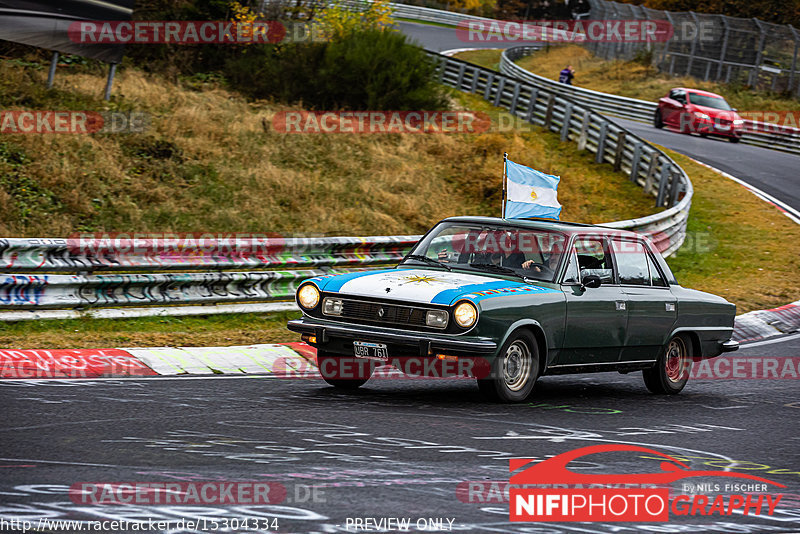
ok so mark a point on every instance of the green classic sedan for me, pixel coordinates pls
(508, 301)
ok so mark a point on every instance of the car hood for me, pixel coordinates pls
(428, 286)
(716, 113)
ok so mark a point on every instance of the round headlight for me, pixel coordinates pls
(308, 296)
(465, 314)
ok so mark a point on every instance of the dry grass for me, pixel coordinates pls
(738, 247)
(225, 172)
(636, 80)
(214, 330)
(212, 162)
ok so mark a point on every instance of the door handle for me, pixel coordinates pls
(621, 305)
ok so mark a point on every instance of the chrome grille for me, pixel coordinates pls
(383, 313)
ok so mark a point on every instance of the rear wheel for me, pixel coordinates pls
(734, 139)
(658, 121)
(671, 372)
(344, 372)
(514, 370)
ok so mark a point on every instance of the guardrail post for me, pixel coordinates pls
(500, 87)
(620, 150)
(514, 98)
(442, 68)
(635, 161)
(461, 69)
(548, 114)
(487, 92)
(476, 73)
(584, 129)
(532, 105)
(567, 118)
(666, 170)
(601, 142)
(674, 189)
(651, 174)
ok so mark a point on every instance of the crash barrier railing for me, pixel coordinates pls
(540, 105)
(136, 270)
(113, 271)
(757, 133)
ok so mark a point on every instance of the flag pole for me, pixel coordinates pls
(505, 167)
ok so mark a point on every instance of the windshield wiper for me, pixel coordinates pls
(500, 269)
(426, 259)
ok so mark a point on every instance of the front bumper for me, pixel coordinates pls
(712, 128)
(338, 339)
(729, 346)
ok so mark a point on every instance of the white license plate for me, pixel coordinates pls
(372, 351)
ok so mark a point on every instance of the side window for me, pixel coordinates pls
(594, 258)
(572, 275)
(655, 276)
(631, 262)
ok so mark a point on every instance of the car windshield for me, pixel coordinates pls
(715, 102)
(496, 249)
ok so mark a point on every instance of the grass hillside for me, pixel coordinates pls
(211, 161)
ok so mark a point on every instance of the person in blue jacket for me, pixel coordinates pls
(566, 75)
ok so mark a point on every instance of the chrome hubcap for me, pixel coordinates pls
(677, 365)
(517, 366)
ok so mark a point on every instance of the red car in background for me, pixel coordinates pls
(700, 112)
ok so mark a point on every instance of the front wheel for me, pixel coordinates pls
(344, 372)
(734, 139)
(658, 121)
(671, 372)
(514, 370)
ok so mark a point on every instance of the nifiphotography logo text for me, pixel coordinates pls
(649, 501)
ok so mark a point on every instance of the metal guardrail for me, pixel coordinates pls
(758, 133)
(290, 262)
(542, 105)
(137, 271)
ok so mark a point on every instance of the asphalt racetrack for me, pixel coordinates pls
(394, 449)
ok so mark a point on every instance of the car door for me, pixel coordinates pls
(596, 317)
(652, 308)
(673, 107)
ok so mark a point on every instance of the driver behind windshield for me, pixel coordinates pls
(495, 249)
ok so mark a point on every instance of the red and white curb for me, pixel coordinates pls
(279, 360)
(762, 324)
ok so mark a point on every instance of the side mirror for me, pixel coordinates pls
(591, 280)
(734, 110)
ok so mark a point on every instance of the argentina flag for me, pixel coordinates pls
(530, 193)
